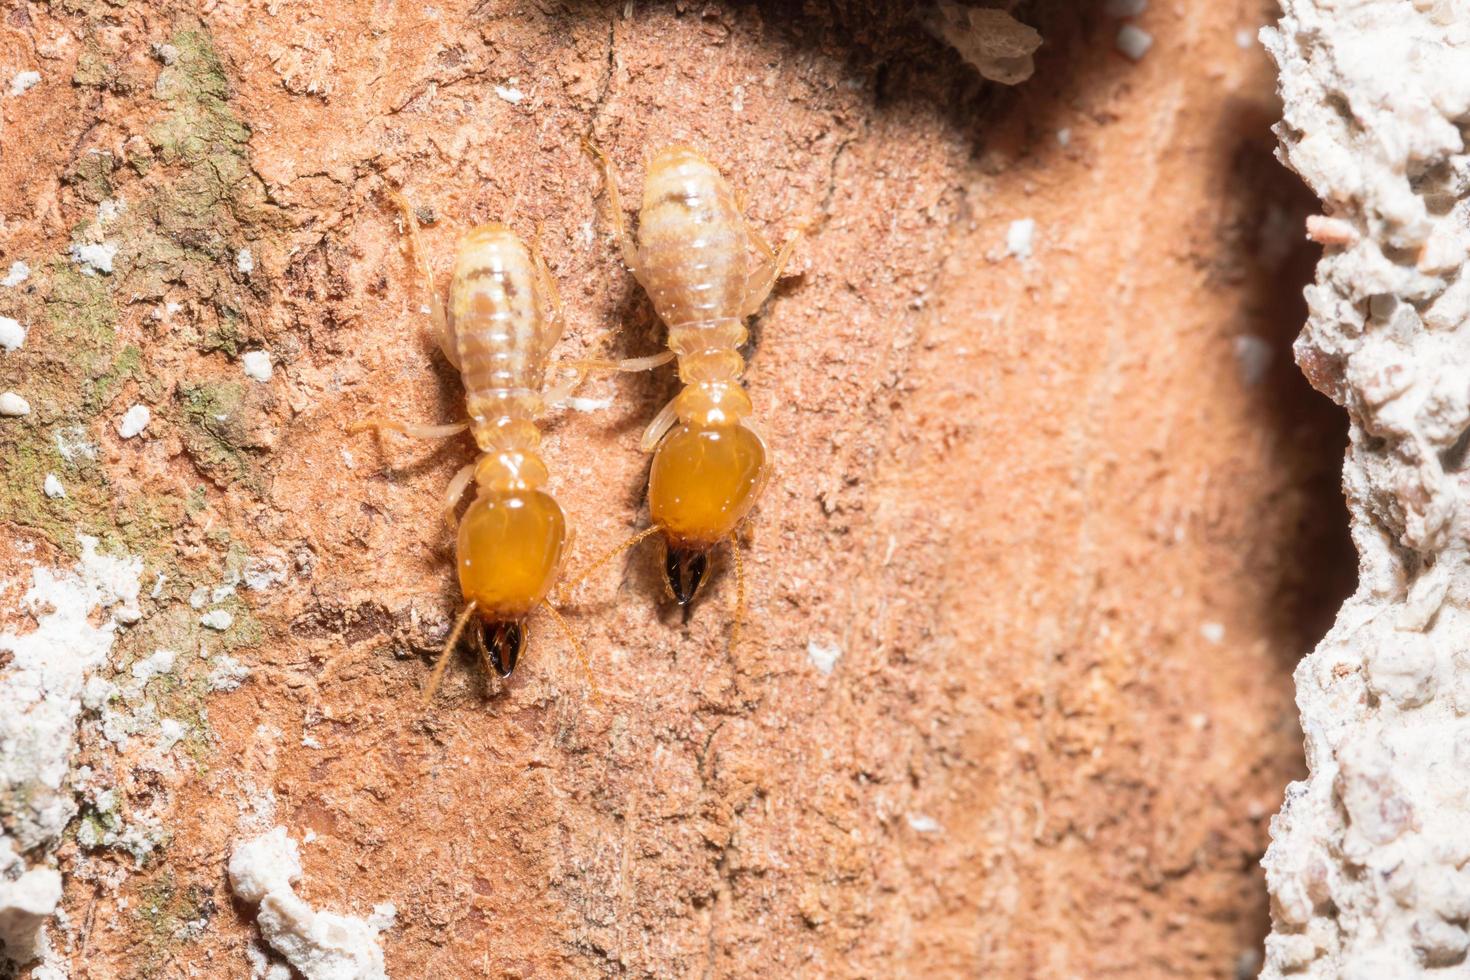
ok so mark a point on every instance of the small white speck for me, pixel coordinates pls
(1064, 137)
(217, 619)
(244, 262)
(12, 334)
(170, 732)
(109, 209)
(308, 837)
(385, 914)
(1253, 357)
(19, 273)
(198, 597)
(923, 824)
(510, 94)
(347, 459)
(310, 742)
(1021, 237)
(134, 421)
(1245, 38)
(1134, 42)
(589, 404)
(738, 104)
(13, 405)
(166, 53)
(257, 365)
(94, 258)
(1212, 632)
(23, 81)
(1125, 8)
(824, 656)
(52, 487)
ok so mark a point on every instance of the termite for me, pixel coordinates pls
(693, 258)
(504, 316)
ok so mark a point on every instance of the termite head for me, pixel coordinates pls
(707, 473)
(509, 551)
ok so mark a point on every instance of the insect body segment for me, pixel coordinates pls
(693, 256)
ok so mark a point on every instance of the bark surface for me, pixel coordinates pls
(1054, 514)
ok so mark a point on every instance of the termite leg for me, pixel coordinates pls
(449, 645)
(577, 648)
(456, 490)
(615, 207)
(565, 589)
(662, 423)
(762, 279)
(408, 429)
(556, 312)
(735, 627)
(581, 367)
(443, 332)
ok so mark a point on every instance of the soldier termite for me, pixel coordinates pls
(693, 257)
(504, 316)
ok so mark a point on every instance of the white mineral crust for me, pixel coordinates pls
(321, 945)
(1369, 865)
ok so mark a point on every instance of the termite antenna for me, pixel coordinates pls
(576, 645)
(564, 591)
(449, 646)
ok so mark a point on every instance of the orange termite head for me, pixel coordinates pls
(509, 551)
(707, 473)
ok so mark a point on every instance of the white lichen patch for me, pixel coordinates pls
(19, 273)
(13, 405)
(321, 945)
(51, 487)
(510, 93)
(1369, 864)
(217, 619)
(94, 257)
(24, 81)
(244, 262)
(226, 673)
(12, 333)
(134, 421)
(40, 704)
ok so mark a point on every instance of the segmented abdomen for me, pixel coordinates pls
(692, 241)
(501, 337)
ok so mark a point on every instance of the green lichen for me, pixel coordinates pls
(172, 915)
(91, 175)
(215, 432)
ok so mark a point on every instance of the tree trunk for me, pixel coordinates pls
(1053, 516)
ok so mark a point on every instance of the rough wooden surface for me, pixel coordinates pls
(1068, 553)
